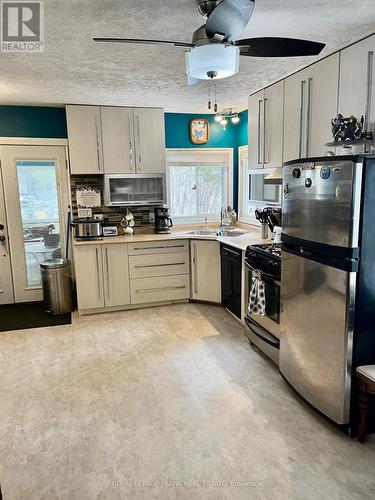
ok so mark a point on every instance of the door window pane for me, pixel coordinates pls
(37, 184)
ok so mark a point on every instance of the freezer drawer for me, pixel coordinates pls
(317, 304)
(321, 201)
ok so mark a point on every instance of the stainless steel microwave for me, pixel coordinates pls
(134, 189)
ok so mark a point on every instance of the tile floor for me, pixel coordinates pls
(163, 403)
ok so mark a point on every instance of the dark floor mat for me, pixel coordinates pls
(30, 315)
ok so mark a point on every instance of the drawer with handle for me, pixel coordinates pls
(165, 264)
(158, 247)
(159, 289)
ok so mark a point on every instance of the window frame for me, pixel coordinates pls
(229, 187)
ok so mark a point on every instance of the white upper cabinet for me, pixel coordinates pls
(273, 125)
(266, 127)
(256, 128)
(150, 140)
(310, 102)
(118, 140)
(324, 93)
(85, 141)
(357, 84)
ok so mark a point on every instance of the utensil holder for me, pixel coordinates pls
(264, 229)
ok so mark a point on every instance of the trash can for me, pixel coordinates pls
(57, 286)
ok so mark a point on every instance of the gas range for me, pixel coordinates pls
(265, 257)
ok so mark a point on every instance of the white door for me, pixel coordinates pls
(256, 130)
(150, 140)
(85, 139)
(6, 280)
(36, 200)
(118, 140)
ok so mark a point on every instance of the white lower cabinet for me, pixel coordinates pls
(159, 289)
(205, 270)
(102, 276)
(116, 275)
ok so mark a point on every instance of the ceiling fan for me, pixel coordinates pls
(213, 52)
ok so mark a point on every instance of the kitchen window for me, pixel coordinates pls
(199, 183)
(257, 188)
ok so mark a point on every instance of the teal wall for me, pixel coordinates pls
(33, 121)
(177, 136)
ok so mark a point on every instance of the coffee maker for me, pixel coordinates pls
(163, 222)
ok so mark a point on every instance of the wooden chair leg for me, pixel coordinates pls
(363, 410)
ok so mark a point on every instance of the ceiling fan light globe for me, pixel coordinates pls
(214, 58)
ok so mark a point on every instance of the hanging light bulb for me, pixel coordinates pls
(209, 96)
(218, 118)
(235, 119)
(223, 122)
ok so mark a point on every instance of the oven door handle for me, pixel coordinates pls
(262, 273)
(268, 338)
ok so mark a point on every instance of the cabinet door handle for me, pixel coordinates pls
(97, 143)
(98, 273)
(107, 268)
(303, 83)
(264, 132)
(308, 128)
(130, 144)
(156, 248)
(195, 269)
(370, 65)
(160, 265)
(164, 289)
(139, 145)
(259, 161)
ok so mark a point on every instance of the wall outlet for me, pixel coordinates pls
(98, 216)
(152, 217)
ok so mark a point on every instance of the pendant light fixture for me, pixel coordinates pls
(223, 116)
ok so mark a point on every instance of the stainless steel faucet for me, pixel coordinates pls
(223, 215)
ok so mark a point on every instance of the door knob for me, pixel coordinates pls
(2, 238)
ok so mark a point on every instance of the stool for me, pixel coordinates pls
(366, 386)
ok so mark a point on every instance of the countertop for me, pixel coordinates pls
(251, 237)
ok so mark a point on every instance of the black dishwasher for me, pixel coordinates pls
(231, 270)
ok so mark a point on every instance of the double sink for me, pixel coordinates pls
(225, 233)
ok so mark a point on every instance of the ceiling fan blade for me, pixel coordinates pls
(143, 41)
(278, 47)
(229, 19)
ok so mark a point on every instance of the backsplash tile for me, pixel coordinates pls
(112, 215)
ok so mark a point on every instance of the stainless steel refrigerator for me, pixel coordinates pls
(328, 279)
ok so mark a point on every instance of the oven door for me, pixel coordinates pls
(271, 320)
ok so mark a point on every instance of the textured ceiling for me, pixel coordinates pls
(73, 69)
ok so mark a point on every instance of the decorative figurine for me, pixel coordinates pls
(347, 129)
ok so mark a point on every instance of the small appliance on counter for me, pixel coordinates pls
(110, 231)
(163, 222)
(88, 229)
